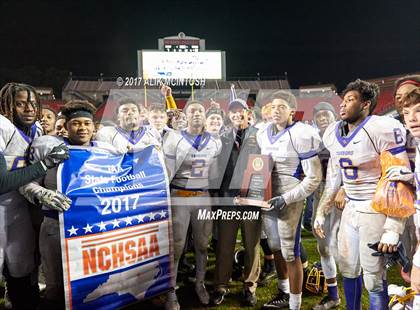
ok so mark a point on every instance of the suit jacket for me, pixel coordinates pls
(232, 162)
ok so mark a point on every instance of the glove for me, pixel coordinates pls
(53, 200)
(57, 155)
(319, 225)
(400, 173)
(391, 259)
(277, 203)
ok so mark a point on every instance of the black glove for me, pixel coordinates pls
(277, 203)
(391, 259)
(56, 156)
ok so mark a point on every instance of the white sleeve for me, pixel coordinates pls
(170, 151)
(313, 176)
(39, 149)
(7, 130)
(104, 135)
(332, 186)
(307, 144)
(388, 134)
(260, 132)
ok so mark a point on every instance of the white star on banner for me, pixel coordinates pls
(140, 218)
(152, 215)
(116, 223)
(102, 226)
(73, 230)
(88, 228)
(128, 220)
(162, 214)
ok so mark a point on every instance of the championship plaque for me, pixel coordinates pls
(256, 185)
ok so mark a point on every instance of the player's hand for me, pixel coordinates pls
(389, 242)
(53, 200)
(415, 279)
(319, 226)
(56, 156)
(214, 104)
(166, 90)
(277, 203)
(400, 173)
(340, 199)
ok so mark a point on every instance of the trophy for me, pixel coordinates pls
(256, 185)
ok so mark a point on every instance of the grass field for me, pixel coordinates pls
(188, 299)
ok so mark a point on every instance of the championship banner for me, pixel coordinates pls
(115, 238)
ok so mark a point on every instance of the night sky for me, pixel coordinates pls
(314, 41)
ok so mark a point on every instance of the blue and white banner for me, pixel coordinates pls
(115, 238)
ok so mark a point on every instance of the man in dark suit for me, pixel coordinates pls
(237, 144)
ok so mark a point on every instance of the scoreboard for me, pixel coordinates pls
(181, 43)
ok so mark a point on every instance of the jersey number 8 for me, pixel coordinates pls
(350, 172)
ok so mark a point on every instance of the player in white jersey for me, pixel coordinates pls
(189, 156)
(355, 144)
(13, 179)
(80, 127)
(130, 134)
(20, 104)
(411, 113)
(293, 146)
(324, 114)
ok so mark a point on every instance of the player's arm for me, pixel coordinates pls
(313, 175)
(12, 180)
(170, 101)
(391, 137)
(51, 157)
(306, 146)
(332, 187)
(394, 226)
(169, 150)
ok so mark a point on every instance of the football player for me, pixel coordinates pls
(20, 104)
(129, 135)
(293, 147)
(60, 130)
(411, 114)
(355, 144)
(158, 119)
(12, 180)
(48, 120)
(324, 115)
(189, 155)
(214, 121)
(80, 127)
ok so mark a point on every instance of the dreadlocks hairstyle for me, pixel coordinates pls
(77, 105)
(8, 99)
(368, 91)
